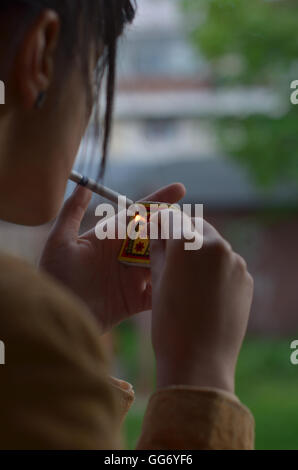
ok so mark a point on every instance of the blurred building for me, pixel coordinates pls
(166, 96)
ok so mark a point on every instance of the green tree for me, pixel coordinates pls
(253, 43)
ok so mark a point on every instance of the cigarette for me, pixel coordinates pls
(103, 191)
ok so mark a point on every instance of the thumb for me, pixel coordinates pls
(69, 220)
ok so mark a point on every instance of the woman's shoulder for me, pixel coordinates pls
(33, 301)
(21, 282)
(17, 273)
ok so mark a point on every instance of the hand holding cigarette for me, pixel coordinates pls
(90, 267)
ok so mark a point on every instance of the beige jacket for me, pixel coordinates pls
(55, 392)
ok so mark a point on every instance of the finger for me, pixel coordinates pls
(211, 234)
(71, 215)
(157, 257)
(157, 250)
(170, 194)
(147, 298)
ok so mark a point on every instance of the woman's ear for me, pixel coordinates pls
(35, 61)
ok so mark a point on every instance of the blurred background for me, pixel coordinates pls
(204, 98)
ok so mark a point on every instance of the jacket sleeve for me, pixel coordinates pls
(181, 417)
(193, 418)
(54, 387)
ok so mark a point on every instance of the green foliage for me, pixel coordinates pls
(267, 383)
(253, 43)
(269, 147)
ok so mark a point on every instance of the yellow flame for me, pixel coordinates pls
(139, 218)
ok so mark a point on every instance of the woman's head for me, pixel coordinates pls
(59, 48)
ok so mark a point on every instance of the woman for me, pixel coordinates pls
(55, 389)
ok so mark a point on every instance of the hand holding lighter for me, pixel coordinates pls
(136, 252)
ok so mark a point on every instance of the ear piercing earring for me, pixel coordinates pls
(40, 100)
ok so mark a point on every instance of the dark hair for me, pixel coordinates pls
(84, 22)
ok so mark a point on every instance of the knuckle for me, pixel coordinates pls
(241, 263)
(250, 280)
(242, 269)
(208, 230)
(220, 247)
